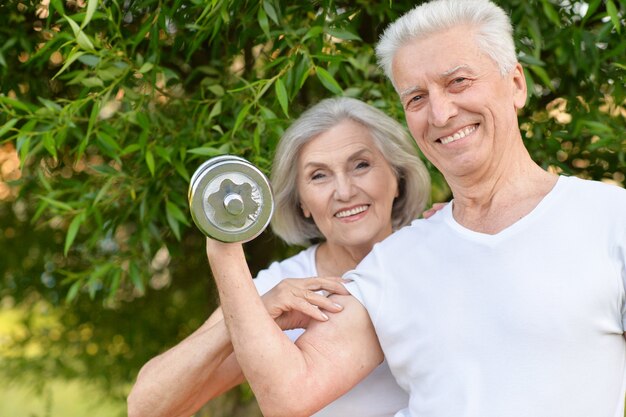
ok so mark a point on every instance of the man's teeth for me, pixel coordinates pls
(458, 135)
(351, 212)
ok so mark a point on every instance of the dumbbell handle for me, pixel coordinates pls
(233, 203)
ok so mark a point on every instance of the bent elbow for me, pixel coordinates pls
(284, 407)
(132, 407)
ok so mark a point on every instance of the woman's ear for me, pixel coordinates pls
(305, 211)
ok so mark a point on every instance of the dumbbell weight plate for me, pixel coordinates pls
(230, 199)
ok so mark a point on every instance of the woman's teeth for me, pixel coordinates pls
(351, 212)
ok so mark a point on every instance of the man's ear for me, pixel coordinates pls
(520, 92)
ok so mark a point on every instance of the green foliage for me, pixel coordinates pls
(107, 107)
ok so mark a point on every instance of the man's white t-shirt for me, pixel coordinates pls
(378, 395)
(528, 322)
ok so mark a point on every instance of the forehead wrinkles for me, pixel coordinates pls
(336, 156)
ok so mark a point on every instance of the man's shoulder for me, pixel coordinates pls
(416, 231)
(595, 191)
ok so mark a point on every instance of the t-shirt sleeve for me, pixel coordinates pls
(268, 278)
(622, 254)
(367, 284)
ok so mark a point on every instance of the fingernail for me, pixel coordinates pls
(325, 316)
(339, 306)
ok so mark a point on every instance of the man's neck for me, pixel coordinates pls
(496, 201)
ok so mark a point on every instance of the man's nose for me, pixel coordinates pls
(441, 108)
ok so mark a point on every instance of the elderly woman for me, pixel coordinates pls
(345, 176)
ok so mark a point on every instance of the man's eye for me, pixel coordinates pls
(414, 101)
(459, 80)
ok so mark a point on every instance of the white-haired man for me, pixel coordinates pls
(509, 302)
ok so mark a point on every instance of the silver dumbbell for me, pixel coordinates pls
(230, 199)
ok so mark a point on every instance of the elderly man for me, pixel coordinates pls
(509, 302)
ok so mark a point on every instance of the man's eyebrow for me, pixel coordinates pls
(409, 91)
(454, 69)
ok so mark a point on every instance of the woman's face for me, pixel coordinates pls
(347, 186)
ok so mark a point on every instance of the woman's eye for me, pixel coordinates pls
(362, 164)
(317, 176)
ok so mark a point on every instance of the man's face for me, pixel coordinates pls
(461, 111)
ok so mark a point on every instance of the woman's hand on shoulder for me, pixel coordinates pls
(293, 302)
(434, 209)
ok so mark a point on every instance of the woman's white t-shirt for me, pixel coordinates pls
(376, 396)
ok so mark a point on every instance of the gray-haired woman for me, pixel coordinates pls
(345, 176)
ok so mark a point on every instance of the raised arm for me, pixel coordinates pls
(291, 379)
(180, 381)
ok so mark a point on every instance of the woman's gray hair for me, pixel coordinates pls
(494, 32)
(390, 138)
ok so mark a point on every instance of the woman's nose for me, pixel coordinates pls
(343, 187)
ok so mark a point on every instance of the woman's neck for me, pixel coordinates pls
(335, 260)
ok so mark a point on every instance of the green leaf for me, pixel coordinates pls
(58, 6)
(73, 291)
(50, 105)
(107, 142)
(92, 82)
(204, 151)
(263, 22)
(543, 75)
(103, 190)
(530, 60)
(173, 223)
(72, 231)
(7, 126)
(16, 104)
(217, 109)
(115, 283)
(89, 60)
(55, 203)
(552, 14)
(135, 277)
(91, 8)
(23, 147)
(150, 161)
(73, 56)
(49, 144)
(614, 14)
(176, 212)
(328, 81)
(241, 116)
(81, 39)
(314, 32)
(281, 94)
(146, 67)
(270, 10)
(343, 34)
(216, 89)
(134, 147)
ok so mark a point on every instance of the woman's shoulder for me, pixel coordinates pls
(300, 265)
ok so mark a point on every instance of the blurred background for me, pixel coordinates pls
(108, 106)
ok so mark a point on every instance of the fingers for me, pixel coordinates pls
(331, 285)
(435, 208)
(308, 296)
(319, 301)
